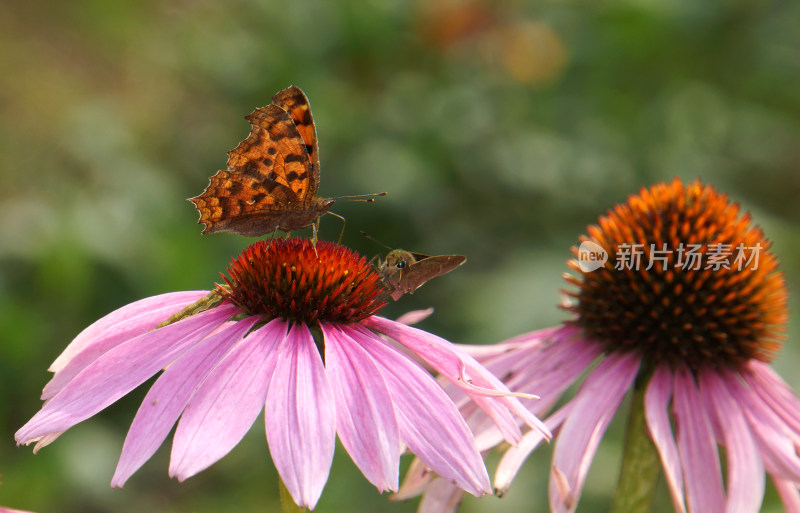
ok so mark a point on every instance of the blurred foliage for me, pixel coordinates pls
(499, 129)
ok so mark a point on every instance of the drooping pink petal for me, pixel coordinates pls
(415, 316)
(169, 395)
(656, 404)
(365, 418)
(441, 497)
(115, 328)
(9, 510)
(514, 457)
(790, 496)
(697, 447)
(745, 484)
(777, 447)
(44, 441)
(454, 364)
(548, 369)
(775, 392)
(560, 365)
(226, 403)
(592, 411)
(119, 371)
(300, 417)
(428, 420)
(417, 478)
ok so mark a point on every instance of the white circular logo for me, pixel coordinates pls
(591, 256)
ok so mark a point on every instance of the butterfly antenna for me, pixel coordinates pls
(373, 239)
(368, 198)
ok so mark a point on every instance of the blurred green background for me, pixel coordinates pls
(499, 129)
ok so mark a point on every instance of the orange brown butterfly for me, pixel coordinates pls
(273, 176)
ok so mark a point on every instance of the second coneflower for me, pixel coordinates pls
(678, 298)
(294, 332)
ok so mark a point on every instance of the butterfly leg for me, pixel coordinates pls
(314, 229)
(344, 223)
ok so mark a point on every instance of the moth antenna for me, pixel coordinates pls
(373, 239)
(367, 198)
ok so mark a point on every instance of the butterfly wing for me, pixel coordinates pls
(404, 272)
(427, 268)
(275, 151)
(295, 102)
(268, 181)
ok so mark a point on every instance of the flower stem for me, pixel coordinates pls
(640, 463)
(287, 503)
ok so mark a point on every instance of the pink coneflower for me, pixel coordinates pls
(294, 332)
(691, 335)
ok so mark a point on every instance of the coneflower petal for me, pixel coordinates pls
(226, 403)
(745, 484)
(441, 497)
(119, 371)
(514, 457)
(428, 420)
(300, 417)
(365, 417)
(592, 411)
(697, 447)
(453, 364)
(774, 391)
(553, 369)
(115, 328)
(418, 477)
(771, 433)
(169, 395)
(789, 493)
(656, 403)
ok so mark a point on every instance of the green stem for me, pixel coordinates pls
(287, 503)
(640, 463)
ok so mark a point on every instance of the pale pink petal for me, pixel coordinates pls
(592, 411)
(415, 316)
(514, 457)
(441, 496)
(745, 484)
(454, 364)
(775, 392)
(9, 510)
(226, 404)
(656, 404)
(776, 445)
(548, 369)
(44, 441)
(300, 417)
(115, 328)
(789, 494)
(530, 340)
(557, 363)
(417, 478)
(697, 447)
(169, 395)
(549, 366)
(365, 419)
(429, 422)
(119, 371)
